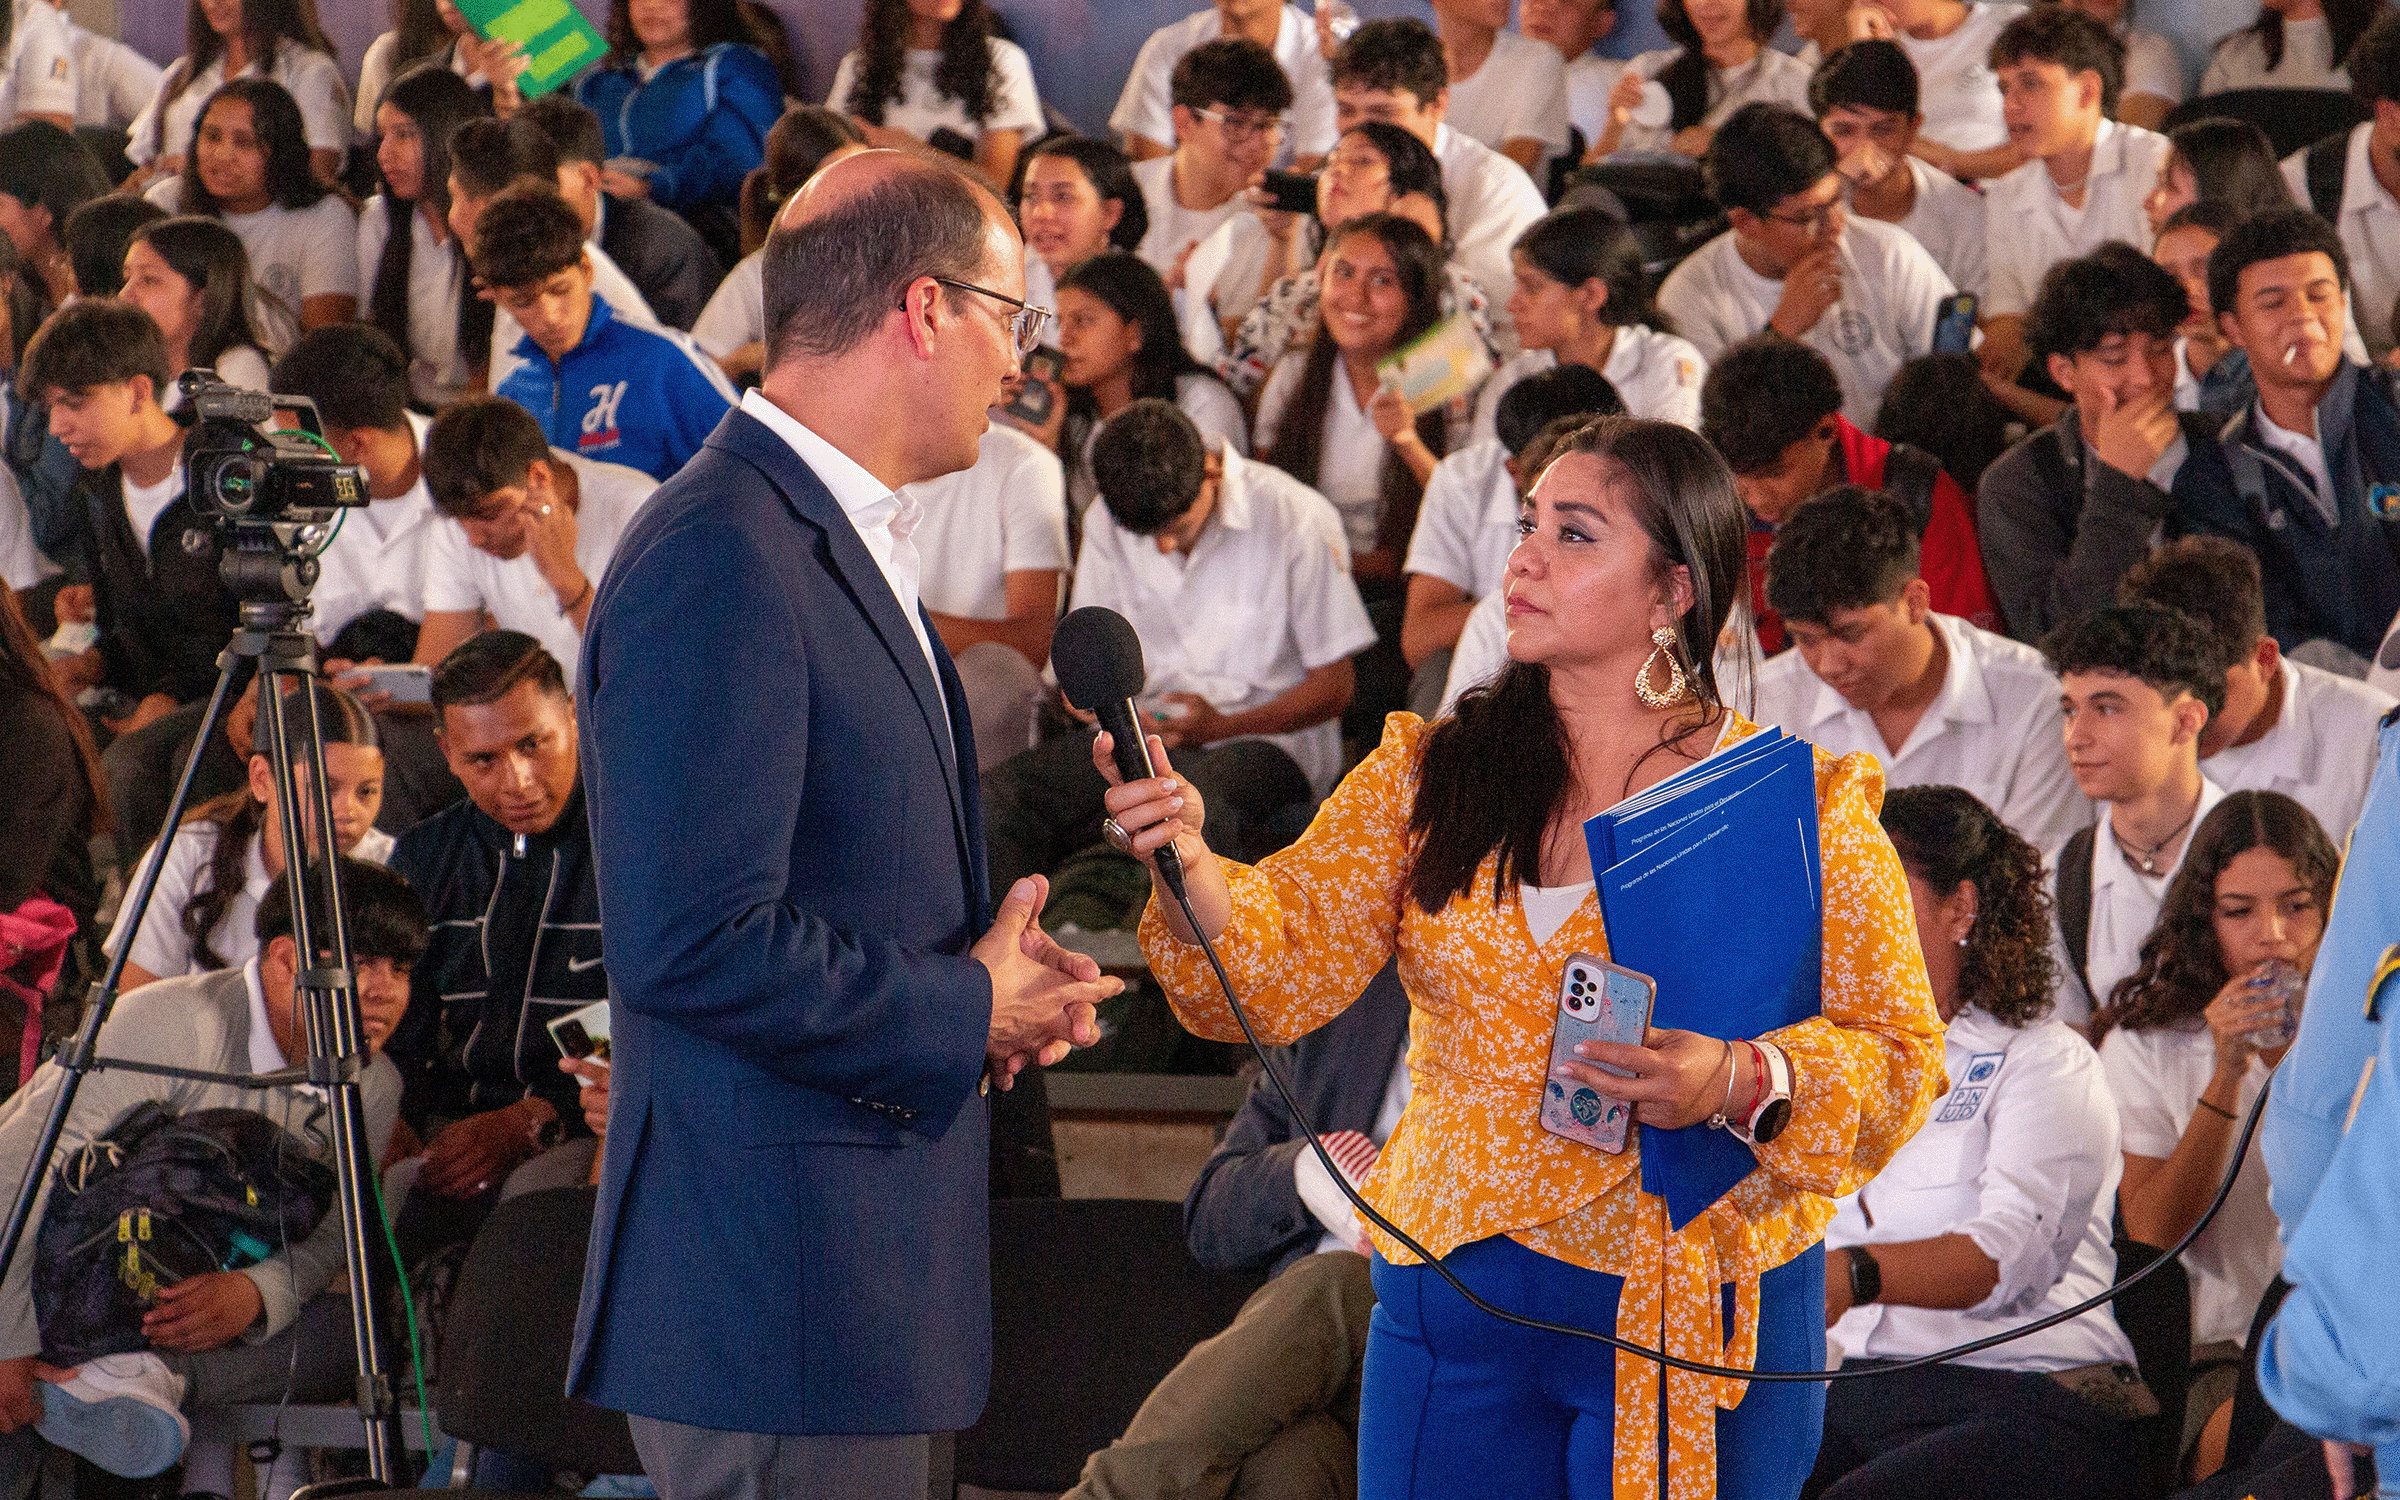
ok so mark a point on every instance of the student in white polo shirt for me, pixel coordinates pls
(1866, 100)
(1237, 579)
(1507, 90)
(1467, 523)
(1575, 28)
(2353, 180)
(1995, 1213)
(1231, 107)
(993, 544)
(1144, 117)
(2085, 176)
(1859, 292)
(1583, 298)
(2286, 726)
(526, 529)
(1394, 71)
(2138, 684)
(1938, 701)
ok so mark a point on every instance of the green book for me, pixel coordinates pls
(557, 41)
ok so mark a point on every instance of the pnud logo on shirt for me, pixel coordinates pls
(600, 422)
(1973, 1086)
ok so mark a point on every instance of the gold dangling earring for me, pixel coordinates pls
(1664, 639)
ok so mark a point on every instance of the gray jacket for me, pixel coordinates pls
(195, 1021)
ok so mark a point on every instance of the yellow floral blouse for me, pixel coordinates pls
(1312, 924)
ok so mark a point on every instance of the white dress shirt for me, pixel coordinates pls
(1008, 514)
(2028, 227)
(438, 373)
(1657, 376)
(1262, 599)
(1994, 730)
(1519, 93)
(377, 559)
(313, 79)
(2021, 1157)
(2368, 221)
(1947, 219)
(2157, 1077)
(2240, 61)
(2321, 752)
(1890, 298)
(1467, 522)
(2125, 906)
(1146, 107)
(886, 519)
(1350, 455)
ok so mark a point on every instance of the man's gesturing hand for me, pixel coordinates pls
(1042, 995)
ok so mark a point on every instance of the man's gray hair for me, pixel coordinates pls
(831, 278)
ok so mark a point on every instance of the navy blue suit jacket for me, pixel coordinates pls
(792, 1227)
(1245, 1209)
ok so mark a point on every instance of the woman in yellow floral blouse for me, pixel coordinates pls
(1459, 848)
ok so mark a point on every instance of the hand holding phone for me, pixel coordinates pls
(1037, 394)
(1597, 1002)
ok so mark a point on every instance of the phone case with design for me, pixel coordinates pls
(1597, 1002)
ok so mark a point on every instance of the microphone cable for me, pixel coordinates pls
(2241, 1150)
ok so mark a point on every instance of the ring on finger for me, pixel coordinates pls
(1118, 838)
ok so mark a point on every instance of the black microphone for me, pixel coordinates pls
(1098, 660)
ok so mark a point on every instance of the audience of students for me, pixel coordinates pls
(416, 284)
(1723, 59)
(1950, 42)
(1144, 117)
(943, 79)
(666, 259)
(1876, 668)
(96, 239)
(1995, 1213)
(2353, 180)
(1232, 104)
(1862, 293)
(433, 34)
(44, 178)
(248, 166)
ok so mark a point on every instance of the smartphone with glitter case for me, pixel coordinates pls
(1597, 1002)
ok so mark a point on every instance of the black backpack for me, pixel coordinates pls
(157, 1200)
(2321, 168)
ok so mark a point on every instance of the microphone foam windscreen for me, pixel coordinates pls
(1097, 657)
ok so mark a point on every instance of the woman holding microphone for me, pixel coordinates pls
(1631, 560)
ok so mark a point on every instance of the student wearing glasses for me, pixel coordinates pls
(1231, 103)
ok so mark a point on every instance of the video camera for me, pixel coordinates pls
(239, 467)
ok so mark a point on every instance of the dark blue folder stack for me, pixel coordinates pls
(1709, 884)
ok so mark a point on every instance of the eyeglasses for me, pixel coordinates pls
(1816, 221)
(1025, 325)
(1242, 127)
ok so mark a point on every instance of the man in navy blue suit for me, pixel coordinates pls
(788, 1282)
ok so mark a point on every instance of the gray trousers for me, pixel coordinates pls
(702, 1463)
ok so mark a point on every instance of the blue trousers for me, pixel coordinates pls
(1457, 1405)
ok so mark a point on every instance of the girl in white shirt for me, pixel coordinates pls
(1722, 62)
(1582, 298)
(249, 167)
(1995, 1213)
(1328, 419)
(408, 260)
(275, 39)
(229, 850)
(2224, 161)
(192, 276)
(1079, 200)
(2182, 1040)
(929, 66)
(1116, 327)
(2294, 44)
(434, 33)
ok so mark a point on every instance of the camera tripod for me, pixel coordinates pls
(271, 582)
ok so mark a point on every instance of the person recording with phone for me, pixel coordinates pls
(1994, 1214)
(1481, 885)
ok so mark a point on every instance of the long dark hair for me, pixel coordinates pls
(210, 256)
(966, 72)
(2231, 162)
(438, 101)
(1134, 292)
(1299, 448)
(797, 144)
(1685, 78)
(417, 34)
(25, 673)
(276, 123)
(1574, 245)
(1945, 837)
(265, 23)
(2347, 20)
(2183, 967)
(706, 23)
(1684, 501)
(238, 815)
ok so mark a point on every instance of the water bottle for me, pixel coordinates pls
(2282, 981)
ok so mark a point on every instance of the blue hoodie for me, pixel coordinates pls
(677, 394)
(703, 119)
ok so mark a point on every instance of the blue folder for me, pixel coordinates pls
(1709, 883)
